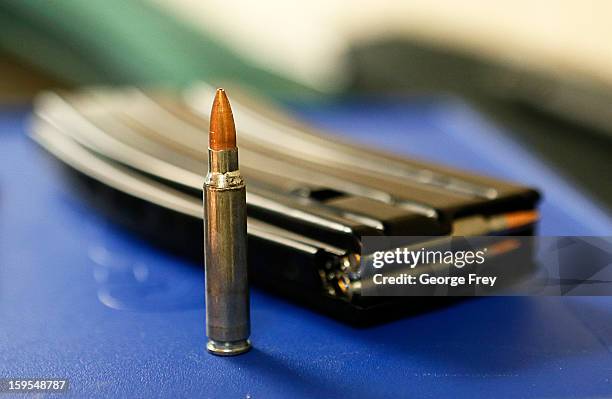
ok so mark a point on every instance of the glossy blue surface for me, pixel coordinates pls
(82, 299)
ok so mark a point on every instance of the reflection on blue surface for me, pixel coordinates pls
(82, 299)
(142, 283)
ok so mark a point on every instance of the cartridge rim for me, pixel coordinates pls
(221, 348)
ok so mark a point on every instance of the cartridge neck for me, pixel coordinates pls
(223, 172)
(222, 161)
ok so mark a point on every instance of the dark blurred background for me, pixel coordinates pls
(543, 71)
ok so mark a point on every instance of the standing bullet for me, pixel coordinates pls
(228, 323)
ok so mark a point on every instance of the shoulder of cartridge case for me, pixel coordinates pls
(224, 181)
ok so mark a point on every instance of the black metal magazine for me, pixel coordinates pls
(140, 157)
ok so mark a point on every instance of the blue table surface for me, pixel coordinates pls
(83, 299)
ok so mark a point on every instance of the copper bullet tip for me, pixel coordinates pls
(222, 134)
